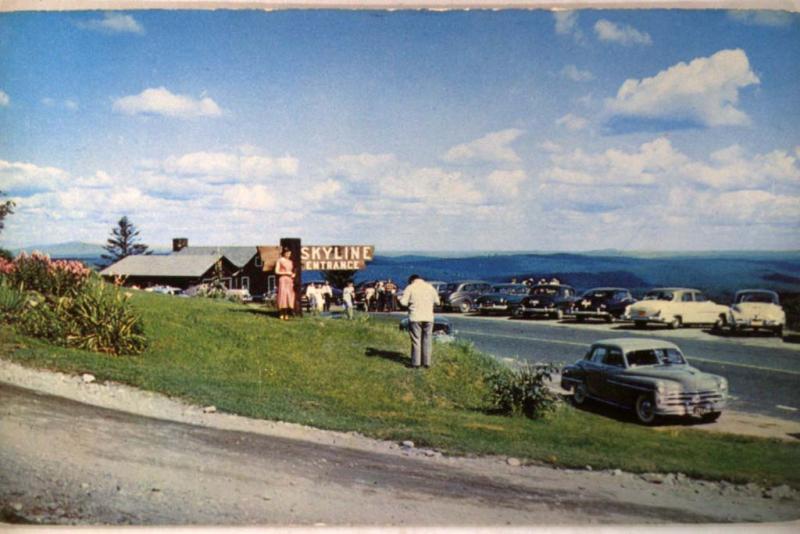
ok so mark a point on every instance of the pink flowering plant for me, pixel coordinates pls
(37, 272)
(63, 302)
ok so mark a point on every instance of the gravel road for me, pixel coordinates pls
(74, 452)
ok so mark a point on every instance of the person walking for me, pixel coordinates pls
(312, 295)
(284, 270)
(369, 299)
(420, 297)
(327, 294)
(320, 298)
(380, 294)
(347, 299)
(391, 295)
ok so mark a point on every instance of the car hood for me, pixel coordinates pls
(758, 309)
(688, 377)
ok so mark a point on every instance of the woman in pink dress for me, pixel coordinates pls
(284, 270)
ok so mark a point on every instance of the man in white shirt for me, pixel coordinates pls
(420, 297)
(347, 299)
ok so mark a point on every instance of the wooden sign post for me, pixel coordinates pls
(315, 258)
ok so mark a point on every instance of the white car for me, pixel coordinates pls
(756, 309)
(674, 307)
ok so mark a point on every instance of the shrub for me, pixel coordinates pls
(523, 390)
(12, 302)
(47, 318)
(103, 321)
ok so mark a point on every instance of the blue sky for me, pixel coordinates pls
(478, 130)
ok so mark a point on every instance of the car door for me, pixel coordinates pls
(594, 371)
(688, 308)
(613, 389)
(707, 310)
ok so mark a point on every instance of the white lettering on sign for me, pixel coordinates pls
(335, 257)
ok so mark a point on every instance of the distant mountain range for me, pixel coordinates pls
(718, 272)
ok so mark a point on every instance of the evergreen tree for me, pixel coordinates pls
(123, 242)
(339, 278)
(6, 208)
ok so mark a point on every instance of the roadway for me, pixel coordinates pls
(763, 372)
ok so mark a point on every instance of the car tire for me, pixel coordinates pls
(579, 318)
(516, 312)
(710, 417)
(675, 323)
(645, 409)
(465, 307)
(580, 395)
(719, 326)
(639, 325)
(779, 331)
(610, 318)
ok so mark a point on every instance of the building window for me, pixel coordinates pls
(271, 283)
(258, 262)
(246, 283)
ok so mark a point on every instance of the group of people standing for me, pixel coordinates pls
(381, 297)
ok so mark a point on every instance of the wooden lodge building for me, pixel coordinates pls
(187, 266)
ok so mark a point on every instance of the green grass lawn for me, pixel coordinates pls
(343, 375)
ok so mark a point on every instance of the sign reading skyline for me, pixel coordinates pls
(323, 257)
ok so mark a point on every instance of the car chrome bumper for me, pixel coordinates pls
(587, 313)
(645, 318)
(753, 323)
(493, 307)
(691, 404)
(537, 310)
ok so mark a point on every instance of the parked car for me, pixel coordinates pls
(756, 309)
(242, 295)
(443, 330)
(549, 300)
(461, 296)
(675, 307)
(650, 376)
(607, 303)
(164, 290)
(503, 299)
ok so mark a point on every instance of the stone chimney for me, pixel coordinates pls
(179, 243)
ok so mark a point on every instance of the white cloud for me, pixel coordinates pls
(261, 166)
(652, 163)
(17, 177)
(70, 104)
(567, 24)
(160, 101)
(624, 35)
(763, 17)
(571, 72)
(732, 168)
(355, 165)
(114, 23)
(323, 191)
(227, 167)
(256, 197)
(572, 122)
(5, 100)
(506, 183)
(492, 147)
(49, 102)
(706, 90)
(549, 146)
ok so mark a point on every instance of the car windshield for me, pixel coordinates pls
(769, 298)
(658, 295)
(451, 287)
(511, 290)
(596, 294)
(544, 291)
(668, 356)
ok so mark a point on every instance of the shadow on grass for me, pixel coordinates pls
(257, 311)
(394, 356)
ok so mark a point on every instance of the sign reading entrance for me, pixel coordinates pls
(335, 257)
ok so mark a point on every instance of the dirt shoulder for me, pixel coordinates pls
(126, 456)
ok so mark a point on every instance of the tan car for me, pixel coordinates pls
(756, 309)
(675, 307)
